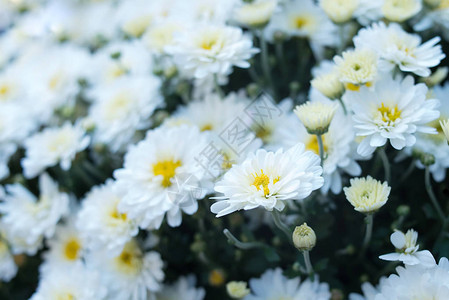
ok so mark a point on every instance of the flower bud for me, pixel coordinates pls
(237, 289)
(427, 159)
(304, 238)
(316, 116)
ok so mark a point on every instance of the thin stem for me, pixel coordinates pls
(239, 244)
(217, 87)
(432, 196)
(309, 267)
(409, 171)
(321, 148)
(280, 224)
(343, 105)
(280, 56)
(386, 164)
(369, 231)
(341, 34)
(266, 62)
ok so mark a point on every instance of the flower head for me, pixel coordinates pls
(367, 195)
(401, 10)
(237, 289)
(316, 116)
(255, 14)
(407, 250)
(329, 85)
(357, 68)
(339, 11)
(304, 237)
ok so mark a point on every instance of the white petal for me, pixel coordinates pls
(397, 238)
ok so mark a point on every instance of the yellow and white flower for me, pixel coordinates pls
(407, 250)
(401, 10)
(396, 47)
(101, 224)
(316, 116)
(211, 50)
(394, 110)
(255, 14)
(268, 179)
(357, 68)
(339, 11)
(161, 175)
(367, 195)
(52, 146)
(27, 219)
(274, 285)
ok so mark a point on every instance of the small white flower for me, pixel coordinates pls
(396, 47)
(100, 223)
(256, 13)
(52, 146)
(237, 289)
(28, 219)
(407, 250)
(393, 111)
(133, 274)
(400, 10)
(211, 50)
(316, 116)
(367, 195)
(268, 179)
(339, 11)
(304, 237)
(357, 68)
(161, 175)
(74, 282)
(329, 85)
(273, 285)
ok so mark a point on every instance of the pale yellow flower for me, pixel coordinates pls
(367, 195)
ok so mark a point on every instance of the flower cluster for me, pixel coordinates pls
(134, 133)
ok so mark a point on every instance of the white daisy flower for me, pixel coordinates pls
(161, 35)
(268, 179)
(417, 282)
(133, 274)
(211, 50)
(52, 146)
(184, 288)
(367, 195)
(273, 285)
(27, 219)
(74, 282)
(339, 11)
(396, 47)
(255, 14)
(394, 110)
(161, 175)
(8, 268)
(100, 223)
(407, 250)
(65, 248)
(123, 107)
(401, 10)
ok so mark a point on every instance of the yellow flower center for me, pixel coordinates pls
(68, 296)
(117, 215)
(263, 133)
(216, 278)
(167, 169)
(54, 81)
(71, 249)
(206, 127)
(313, 146)
(4, 90)
(262, 181)
(130, 260)
(389, 114)
(210, 40)
(300, 22)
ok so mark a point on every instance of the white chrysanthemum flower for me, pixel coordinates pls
(407, 250)
(27, 219)
(161, 175)
(211, 50)
(184, 288)
(396, 47)
(133, 274)
(417, 282)
(100, 223)
(394, 110)
(401, 10)
(367, 195)
(268, 179)
(316, 116)
(255, 14)
(237, 289)
(305, 19)
(445, 127)
(339, 11)
(74, 282)
(357, 68)
(123, 107)
(337, 143)
(135, 16)
(369, 291)
(329, 84)
(273, 285)
(8, 268)
(368, 11)
(65, 249)
(52, 146)
(161, 34)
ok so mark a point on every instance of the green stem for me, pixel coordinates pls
(280, 57)
(432, 196)
(386, 164)
(309, 267)
(341, 34)
(369, 231)
(321, 148)
(239, 244)
(343, 105)
(283, 227)
(409, 171)
(266, 62)
(217, 87)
